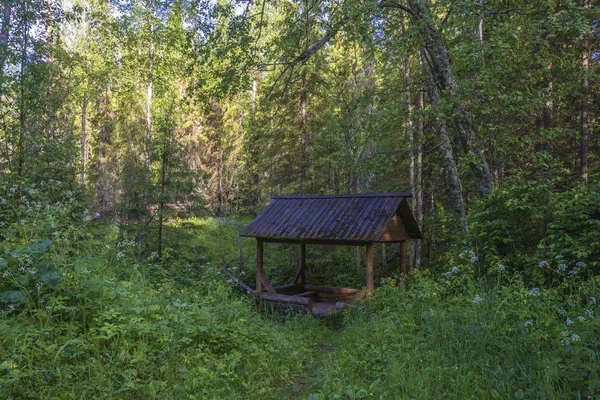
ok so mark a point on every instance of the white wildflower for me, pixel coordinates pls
(581, 264)
(543, 263)
(452, 271)
(562, 267)
(11, 307)
(478, 299)
(501, 267)
(581, 318)
(153, 254)
(528, 322)
(593, 299)
(561, 311)
(572, 272)
(575, 337)
(589, 313)
(120, 255)
(535, 291)
(569, 321)
(39, 285)
(559, 257)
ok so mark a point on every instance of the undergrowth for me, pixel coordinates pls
(82, 316)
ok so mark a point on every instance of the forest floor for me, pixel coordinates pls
(111, 326)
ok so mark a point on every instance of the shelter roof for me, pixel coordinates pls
(344, 218)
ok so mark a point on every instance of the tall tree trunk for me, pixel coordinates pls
(22, 105)
(418, 244)
(545, 123)
(585, 133)
(304, 131)
(146, 181)
(82, 143)
(253, 97)
(5, 34)
(220, 183)
(411, 144)
(440, 73)
(163, 185)
(480, 22)
(452, 178)
(149, 94)
(103, 122)
(50, 45)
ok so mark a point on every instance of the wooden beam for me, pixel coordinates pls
(318, 241)
(259, 264)
(267, 284)
(332, 289)
(370, 270)
(306, 294)
(286, 288)
(280, 298)
(403, 259)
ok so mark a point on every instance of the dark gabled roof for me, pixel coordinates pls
(350, 218)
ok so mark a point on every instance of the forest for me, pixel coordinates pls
(138, 138)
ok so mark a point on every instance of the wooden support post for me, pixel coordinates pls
(403, 259)
(370, 270)
(303, 263)
(301, 273)
(259, 264)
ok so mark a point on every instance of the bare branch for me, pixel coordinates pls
(391, 4)
(308, 53)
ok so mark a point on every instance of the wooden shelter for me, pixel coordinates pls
(347, 219)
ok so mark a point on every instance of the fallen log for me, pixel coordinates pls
(281, 298)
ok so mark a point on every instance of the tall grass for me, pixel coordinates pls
(424, 340)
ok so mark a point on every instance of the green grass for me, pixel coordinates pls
(115, 327)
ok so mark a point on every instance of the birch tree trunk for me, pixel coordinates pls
(5, 33)
(82, 143)
(411, 144)
(149, 94)
(49, 44)
(452, 178)
(585, 133)
(418, 244)
(22, 105)
(443, 80)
